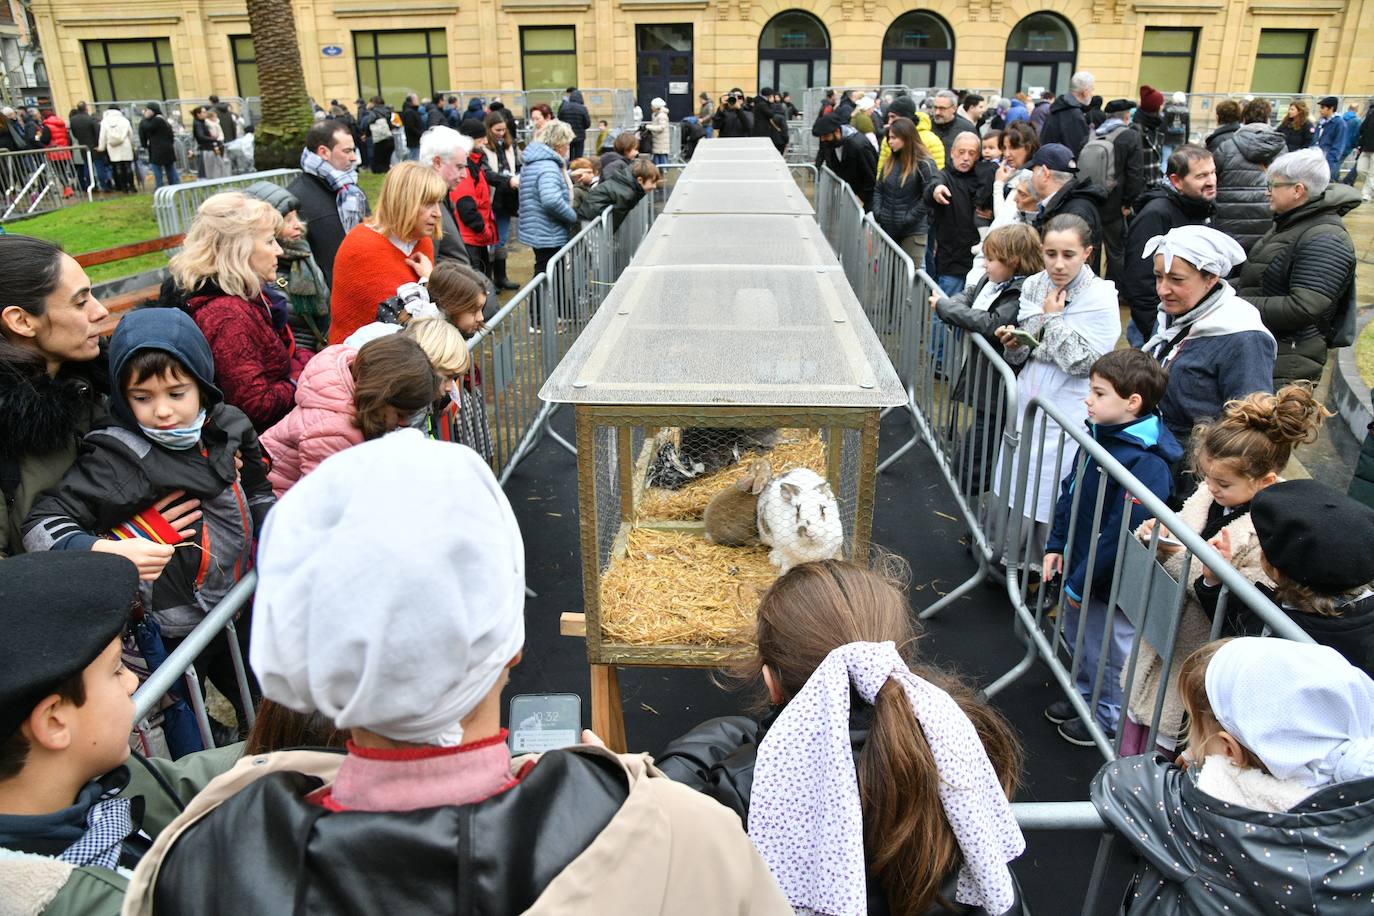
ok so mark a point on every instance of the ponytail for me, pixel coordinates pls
(1256, 434)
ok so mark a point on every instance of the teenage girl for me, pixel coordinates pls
(883, 791)
(1235, 457)
(1073, 318)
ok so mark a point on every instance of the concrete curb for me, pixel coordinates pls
(1349, 395)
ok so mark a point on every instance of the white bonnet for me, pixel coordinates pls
(391, 589)
(1205, 248)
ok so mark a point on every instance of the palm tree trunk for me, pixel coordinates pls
(286, 113)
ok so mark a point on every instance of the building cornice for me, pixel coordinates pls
(380, 9)
(1203, 7)
(545, 6)
(663, 4)
(1295, 8)
(87, 21)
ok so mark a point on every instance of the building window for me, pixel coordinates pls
(1281, 62)
(918, 52)
(794, 53)
(128, 70)
(245, 64)
(1040, 55)
(395, 64)
(1166, 59)
(548, 56)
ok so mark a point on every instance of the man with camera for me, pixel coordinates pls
(731, 119)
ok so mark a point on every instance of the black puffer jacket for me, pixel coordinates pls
(573, 112)
(1067, 123)
(1242, 155)
(717, 758)
(899, 206)
(956, 222)
(1296, 275)
(1081, 198)
(42, 421)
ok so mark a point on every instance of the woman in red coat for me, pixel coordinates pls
(225, 276)
(392, 253)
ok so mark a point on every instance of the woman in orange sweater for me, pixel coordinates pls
(392, 253)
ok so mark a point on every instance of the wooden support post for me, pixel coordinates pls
(608, 718)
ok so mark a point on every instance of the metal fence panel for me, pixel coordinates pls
(41, 181)
(174, 206)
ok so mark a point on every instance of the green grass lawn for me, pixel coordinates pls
(118, 220)
(1364, 354)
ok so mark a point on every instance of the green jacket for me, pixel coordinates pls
(42, 421)
(1295, 276)
(40, 884)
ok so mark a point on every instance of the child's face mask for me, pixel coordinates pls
(167, 408)
(182, 437)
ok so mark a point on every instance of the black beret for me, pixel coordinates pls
(825, 125)
(1315, 535)
(59, 611)
(903, 106)
(1116, 105)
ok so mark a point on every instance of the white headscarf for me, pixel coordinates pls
(805, 817)
(1302, 709)
(1203, 247)
(391, 589)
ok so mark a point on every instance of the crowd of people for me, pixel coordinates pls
(280, 409)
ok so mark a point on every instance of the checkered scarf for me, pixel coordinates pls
(348, 197)
(108, 823)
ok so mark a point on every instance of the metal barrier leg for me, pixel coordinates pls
(250, 714)
(198, 706)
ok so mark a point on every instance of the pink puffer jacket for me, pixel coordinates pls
(320, 424)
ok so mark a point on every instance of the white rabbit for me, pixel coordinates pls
(800, 519)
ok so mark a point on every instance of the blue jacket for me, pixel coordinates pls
(1017, 112)
(1147, 449)
(546, 212)
(1331, 141)
(1352, 133)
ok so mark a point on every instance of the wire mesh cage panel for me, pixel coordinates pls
(737, 170)
(689, 515)
(695, 240)
(729, 197)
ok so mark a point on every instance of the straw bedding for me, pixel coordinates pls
(673, 587)
(799, 448)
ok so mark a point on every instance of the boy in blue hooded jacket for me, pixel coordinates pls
(171, 430)
(1126, 387)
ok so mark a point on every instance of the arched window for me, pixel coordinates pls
(794, 53)
(1040, 55)
(918, 51)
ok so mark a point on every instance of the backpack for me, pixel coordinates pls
(380, 129)
(1097, 161)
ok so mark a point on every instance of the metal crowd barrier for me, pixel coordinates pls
(174, 206)
(43, 180)
(841, 215)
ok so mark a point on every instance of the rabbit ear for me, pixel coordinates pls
(826, 491)
(790, 491)
(763, 472)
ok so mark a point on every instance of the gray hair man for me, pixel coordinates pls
(1067, 121)
(1301, 274)
(945, 120)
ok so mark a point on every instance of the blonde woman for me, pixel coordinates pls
(392, 253)
(221, 277)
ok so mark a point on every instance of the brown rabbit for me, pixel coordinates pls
(731, 517)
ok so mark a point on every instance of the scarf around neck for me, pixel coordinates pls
(108, 823)
(348, 197)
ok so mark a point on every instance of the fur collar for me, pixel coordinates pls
(39, 413)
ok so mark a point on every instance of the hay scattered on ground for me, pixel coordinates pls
(799, 448)
(673, 587)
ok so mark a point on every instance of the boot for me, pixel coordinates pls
(499, 271)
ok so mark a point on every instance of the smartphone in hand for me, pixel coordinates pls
(1025, 338)
(544, 722)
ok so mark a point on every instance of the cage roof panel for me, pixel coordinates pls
(728, 335)
(708, 241)
(734, 196)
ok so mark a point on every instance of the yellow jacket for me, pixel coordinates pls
(932, 142)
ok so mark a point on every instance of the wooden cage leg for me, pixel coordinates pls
(608, 718)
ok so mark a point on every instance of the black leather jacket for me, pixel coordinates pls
(495, 856)
(717, 758)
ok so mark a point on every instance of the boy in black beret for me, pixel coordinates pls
(1318, 547)
(75, 808)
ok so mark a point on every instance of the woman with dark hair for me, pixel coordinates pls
(503, 158)
(899, 193)
(1297, 127)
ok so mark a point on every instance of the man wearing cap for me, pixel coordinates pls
(1067, 121)
(427, 812)
(1149, 123)
(74, 804)
(1060, 190)
(1330, 134)
(849, 155)
(1127, 182)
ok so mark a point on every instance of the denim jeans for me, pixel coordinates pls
(1108, 710)
(164, 174)
(104, 175)
(660, 158)
(951, 283)
(502, 228)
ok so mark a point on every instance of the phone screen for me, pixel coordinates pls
(1026, 338)
(544, 722)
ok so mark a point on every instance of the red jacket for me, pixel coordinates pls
(255, 363)
(471, 198)
(368, 269)
(57, 136)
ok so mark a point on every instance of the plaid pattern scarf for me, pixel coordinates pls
(108, 823)
(348, 197)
